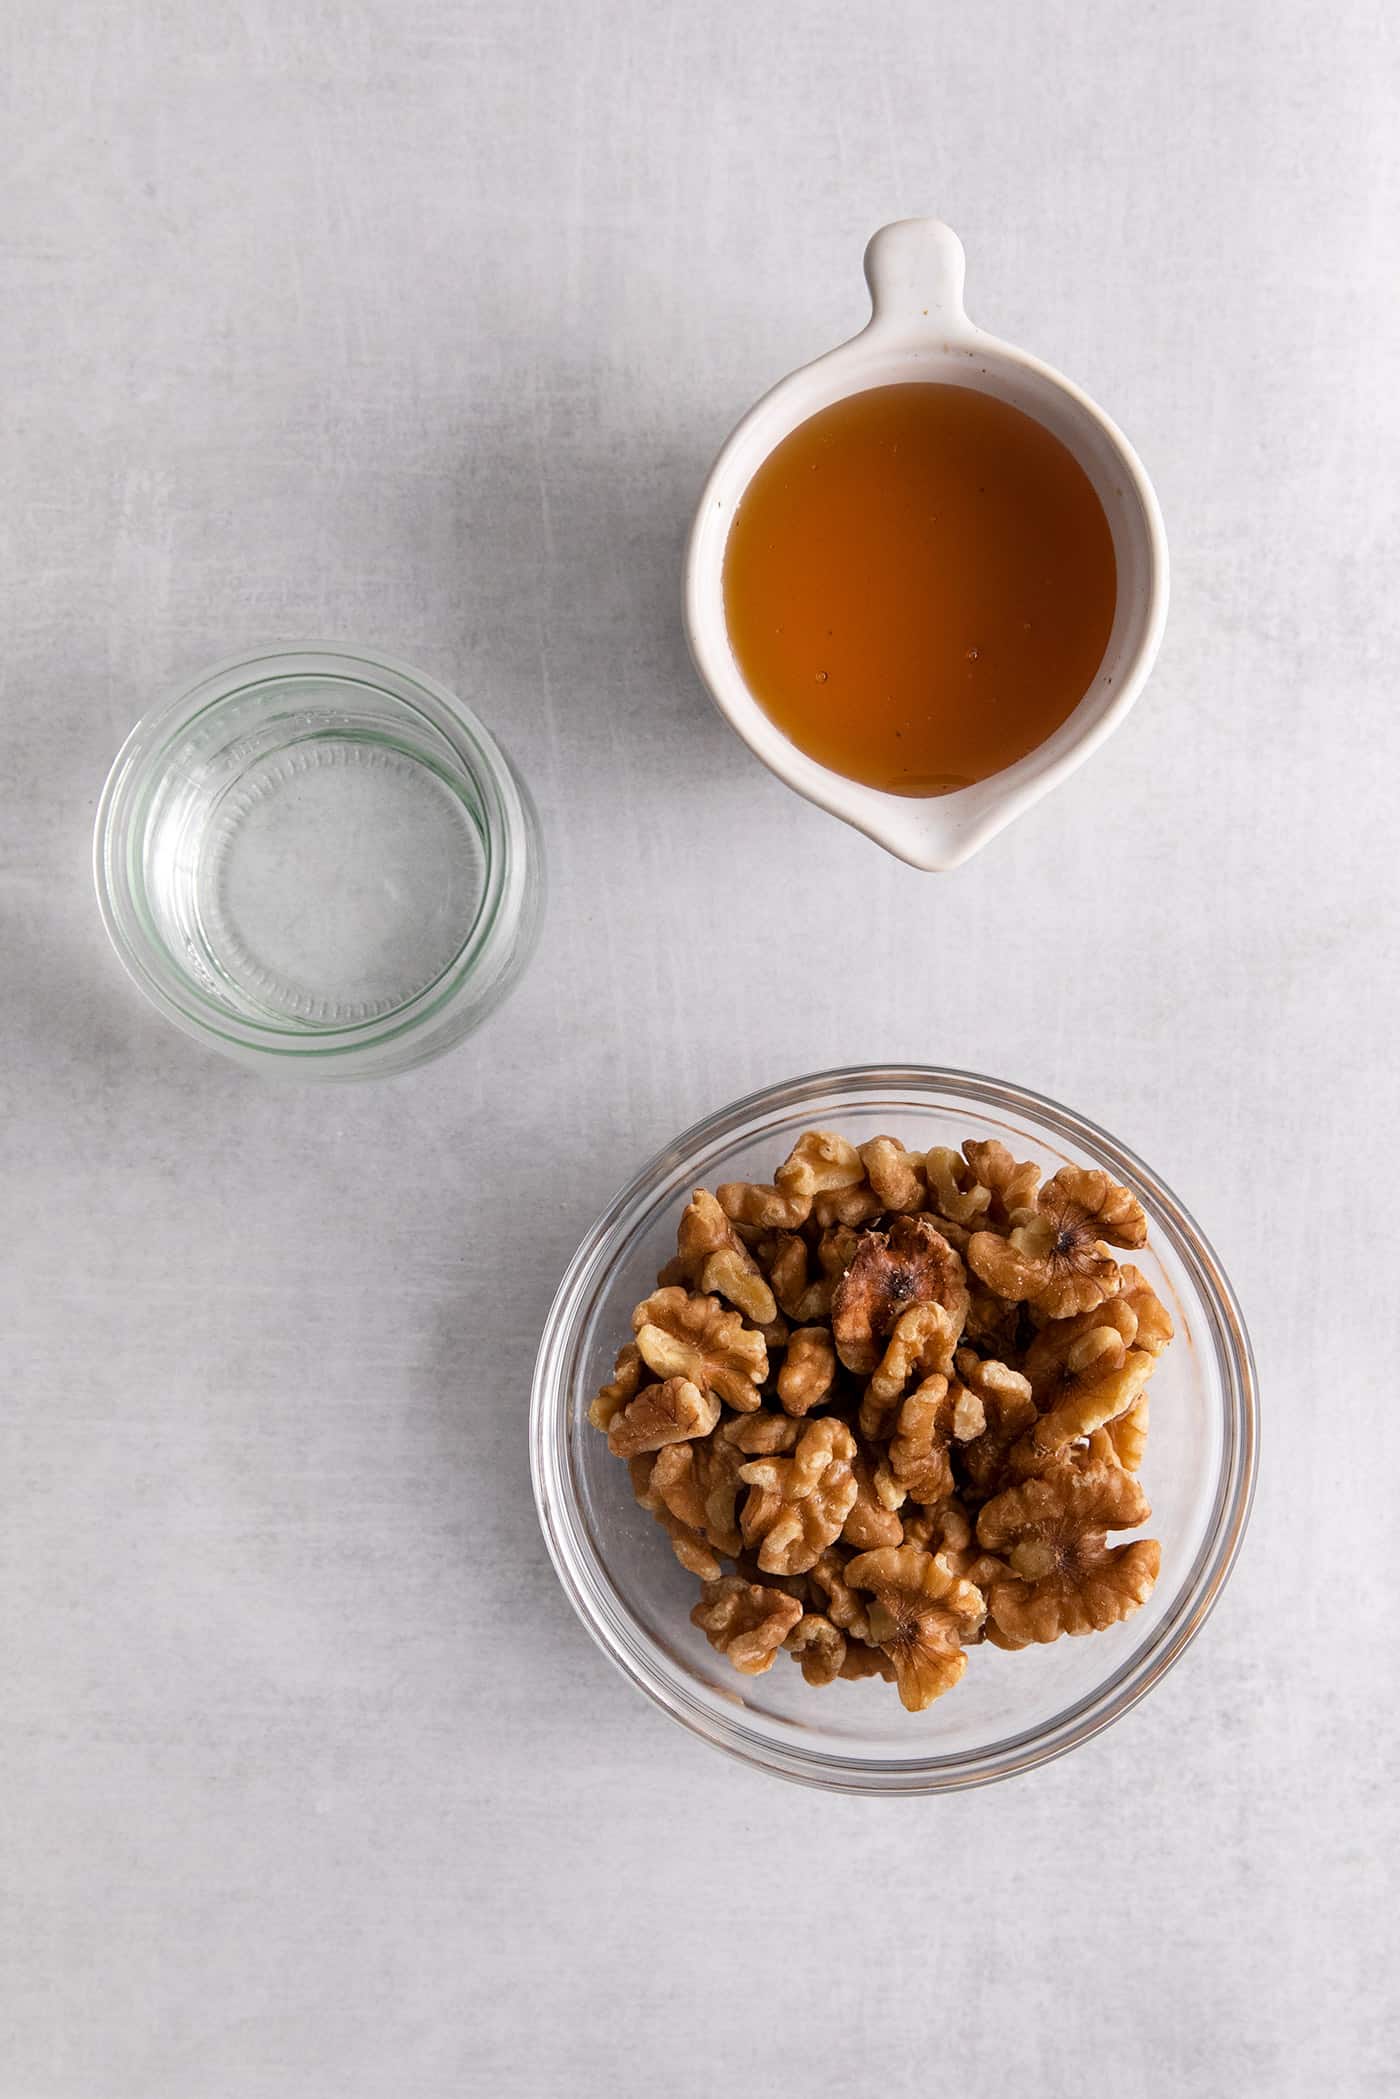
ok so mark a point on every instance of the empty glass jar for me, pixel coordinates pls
(319, 862)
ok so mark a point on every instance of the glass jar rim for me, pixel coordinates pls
(509, 841)
(616, 1632)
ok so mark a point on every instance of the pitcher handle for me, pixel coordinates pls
(915, 270)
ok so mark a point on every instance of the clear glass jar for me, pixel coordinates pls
(1011, 1711)
(319, 862)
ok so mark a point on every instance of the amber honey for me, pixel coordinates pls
(919, 586)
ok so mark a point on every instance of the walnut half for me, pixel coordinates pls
(672, 1411)
(1100, 1379)
(930, 1420)
(910, 1264)
(1058, 1259)
(680, 1336)
(1053, 1532)
(797, 1505)
(819, 1646)
(713, 1259)
(746, 1621)
(919, 1614)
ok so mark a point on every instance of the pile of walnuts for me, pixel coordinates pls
(904, 1395)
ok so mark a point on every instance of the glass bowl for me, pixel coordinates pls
(319, 862)
(1011, 1711)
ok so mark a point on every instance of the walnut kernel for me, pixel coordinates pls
(919, 1614)
(797, 1505)
(669, 1412)
(819, 1646)
(1053, 1531)
(747, 1621)
(809, 1370)
(910, 1264)
(696, 1338)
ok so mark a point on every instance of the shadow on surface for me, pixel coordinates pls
(572, 553)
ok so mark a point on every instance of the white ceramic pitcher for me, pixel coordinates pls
(918, 330)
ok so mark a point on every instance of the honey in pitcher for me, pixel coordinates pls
(919, 585)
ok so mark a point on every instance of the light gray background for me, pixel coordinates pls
(418, 324)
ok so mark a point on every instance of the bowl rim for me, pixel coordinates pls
(616, 1632)
(492, 951)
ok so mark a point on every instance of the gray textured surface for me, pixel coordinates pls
(418, 323)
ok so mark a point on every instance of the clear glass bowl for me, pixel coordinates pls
(1011, 1711)
(320, 862)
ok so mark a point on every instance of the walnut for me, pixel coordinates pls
(910, 1264)
(874, 1518)
(819, 1646)
(689, 1547)
(733, 1273)
(895, 1176)
(1032, 1265)
(768, 1209)
(1008, 1411)
(695, 1338)
(983, 1569)
(952, 1527)
(691, 1550)
(797, 1505)
(798, 1585)
(819, 1164)
(861, 1660)
(809, 1370)
(776, 1333)
(837, 1247)
(699, 1484)
(994, 1327)
(929, 1420)
(787, 1259)
(806, 1299)
(847, 1206)
(1046, 1359)
(947, 1528)
(919, 1448)
(1154, 1329)
(924, 1527)
(922, 1343)
(954, 1189)
(761, 1435)
(919, 1614)
(1057, 1260)
(1011, 1187)
(703, 1230)
(1052, 1530)
(1099, 1380)
(1123, 1441)
(639, 1472)
(993, 1634)
(628, 1372)
(711, 1257)
(1114, 1211)
(844, 1607)
(673, 1411)
(747, 1621)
